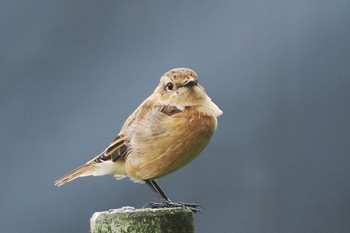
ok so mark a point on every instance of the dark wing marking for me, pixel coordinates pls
(116, 150)
(170, 110)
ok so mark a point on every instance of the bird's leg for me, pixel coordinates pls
(165, 201)
(158, 191)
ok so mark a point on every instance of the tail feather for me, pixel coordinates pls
(84, 170)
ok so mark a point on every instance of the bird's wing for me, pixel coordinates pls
(115, 151)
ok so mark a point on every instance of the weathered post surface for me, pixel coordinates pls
(129, 219)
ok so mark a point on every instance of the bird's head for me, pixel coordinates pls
(179, 87)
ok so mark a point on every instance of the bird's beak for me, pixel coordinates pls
(190, 82)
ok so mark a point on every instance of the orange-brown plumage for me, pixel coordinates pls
(176, 142)
(167, 131)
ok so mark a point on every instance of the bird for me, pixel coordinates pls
(167, 131)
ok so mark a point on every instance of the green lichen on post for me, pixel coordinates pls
(128, 219)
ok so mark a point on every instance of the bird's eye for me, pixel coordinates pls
(169, 86)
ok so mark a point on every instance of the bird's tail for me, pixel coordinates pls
(84, 170)
(103, 164)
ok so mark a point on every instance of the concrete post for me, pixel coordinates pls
(129, 219)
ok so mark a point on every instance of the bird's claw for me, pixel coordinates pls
(192, 206)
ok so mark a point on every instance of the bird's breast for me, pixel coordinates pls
(164, 144)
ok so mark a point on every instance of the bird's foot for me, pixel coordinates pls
(192, 206)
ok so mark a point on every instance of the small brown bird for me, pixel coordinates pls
(166, 132)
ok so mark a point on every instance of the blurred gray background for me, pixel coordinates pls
(73, 71)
